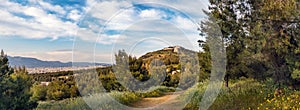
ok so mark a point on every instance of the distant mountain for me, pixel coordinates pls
(34, 63)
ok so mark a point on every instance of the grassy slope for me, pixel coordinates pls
(126, 98)
(246, 94)
(242, 94)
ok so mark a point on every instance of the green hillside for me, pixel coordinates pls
(170, 56)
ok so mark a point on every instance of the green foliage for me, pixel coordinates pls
(103, 102)
(5, 70)
(87, 81)
(157, 91)
(39, 92)
(242, 94)
(48, 77)
(287, 102)
(261, 37)
(205, 65)
(67, 104)
(131, 70)
(58, 90)
(15, 87)
(125, 97)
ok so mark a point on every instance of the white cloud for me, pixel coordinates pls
(152, 13)
(106, 9)
(122, 20)
(111, 39)
(48, 6)
(10, 6)
(45, 25)
(185, 24)
(130, 20)
(41, 25)
(89, 35)
(74, 15)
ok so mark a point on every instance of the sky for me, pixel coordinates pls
(94, 30)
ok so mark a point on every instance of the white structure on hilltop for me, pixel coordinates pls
(173, 48)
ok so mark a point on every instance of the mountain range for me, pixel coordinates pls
(19, 61)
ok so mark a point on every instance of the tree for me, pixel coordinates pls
(21, 87)
(15, 87)
(5, 71)
(262, 34)
(222, 27)
(272, 28)
(58, 90)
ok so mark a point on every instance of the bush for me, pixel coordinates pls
(157, 91)
(68, 104)
(243, 94)
(125, 97)
(112, 100)
(288, 101)
(39, 92)
(58, 90)
(15, 90)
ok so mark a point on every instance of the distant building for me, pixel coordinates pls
(169, 48)
(45, 83)
(176, 49)
(173, 48)
(175, 72)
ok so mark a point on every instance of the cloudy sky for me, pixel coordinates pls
(94, 30)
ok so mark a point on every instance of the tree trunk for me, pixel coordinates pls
(226, 80)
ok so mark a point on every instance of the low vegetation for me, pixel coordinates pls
(245, 94)
(111, 100)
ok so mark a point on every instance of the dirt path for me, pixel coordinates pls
(166, 102)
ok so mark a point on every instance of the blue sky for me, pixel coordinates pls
(93, 30)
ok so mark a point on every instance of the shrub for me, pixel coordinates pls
(125, 97)
(112, 100)
(39, 92)
(242, 94)
(157, 91)
(288, 101)
(68, 104)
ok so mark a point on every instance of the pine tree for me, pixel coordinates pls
(262, 37)
(222, 27)
(14, 87)
(272, 29)
(5, 71)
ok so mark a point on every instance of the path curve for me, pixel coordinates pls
(166, 102)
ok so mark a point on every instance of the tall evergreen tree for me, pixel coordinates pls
(5, 71)
(14, 87)
(222, 23)
(261, 37)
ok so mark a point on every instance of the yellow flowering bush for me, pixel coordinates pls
(282, 102)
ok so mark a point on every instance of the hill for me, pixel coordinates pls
(169, 55)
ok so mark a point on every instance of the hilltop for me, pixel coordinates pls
(169, 55)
